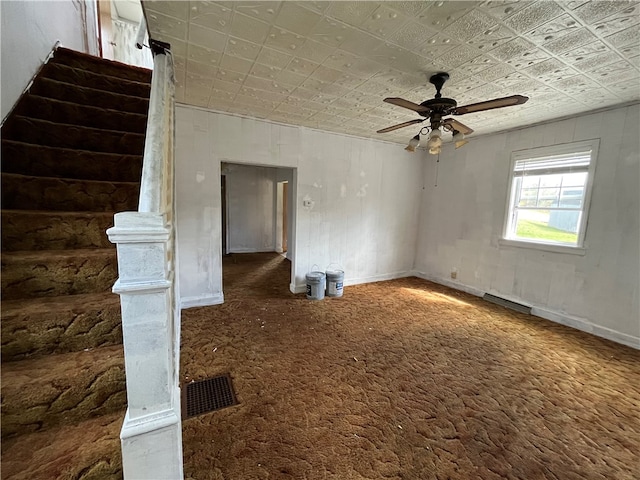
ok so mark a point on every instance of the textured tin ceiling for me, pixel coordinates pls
(328, 65)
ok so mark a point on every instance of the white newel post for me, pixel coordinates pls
(151, 435)
(152, 430)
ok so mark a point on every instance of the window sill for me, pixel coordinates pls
(543, 246)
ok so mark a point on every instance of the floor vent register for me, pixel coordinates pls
(208, 395)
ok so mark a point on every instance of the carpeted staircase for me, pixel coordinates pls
(71, 158)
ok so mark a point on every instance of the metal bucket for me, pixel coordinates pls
(315, 285)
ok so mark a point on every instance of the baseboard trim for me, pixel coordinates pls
(201, 301)
(448, 283)
(250, 250)
(586, 326)
(578, 323)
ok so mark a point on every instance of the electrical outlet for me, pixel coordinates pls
(454, 274)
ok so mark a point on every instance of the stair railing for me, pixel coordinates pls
(151, 435)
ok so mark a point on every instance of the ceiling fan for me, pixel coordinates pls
(437, 108)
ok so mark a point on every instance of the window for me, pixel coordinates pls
(549, 194)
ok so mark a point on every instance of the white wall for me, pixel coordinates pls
(363, 198)
(250, 208)
(462, 221)
(30, 29)
(125, 51)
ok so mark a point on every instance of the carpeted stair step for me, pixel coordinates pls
(52, 134)
(101, 66)
(51, 230)
(62, 389)
(42, 161)
(85, 78)
(46, 87)
(43, 108)
(89, 450)
(70, 323)
(22, 192)
(51, 273)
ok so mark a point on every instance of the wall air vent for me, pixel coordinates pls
(518, 307)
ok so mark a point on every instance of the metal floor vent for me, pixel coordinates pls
(518, 307)
(208, 395)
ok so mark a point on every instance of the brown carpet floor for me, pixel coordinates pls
(402, 379)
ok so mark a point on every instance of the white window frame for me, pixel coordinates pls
(533, 153)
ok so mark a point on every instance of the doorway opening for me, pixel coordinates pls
(258, 217)
(282, 221)
(223, 195)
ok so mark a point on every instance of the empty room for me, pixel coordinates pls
(321, 240)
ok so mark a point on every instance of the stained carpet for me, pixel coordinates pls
(402, 379)
(71, 157)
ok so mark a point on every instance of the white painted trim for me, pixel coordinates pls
(124, 235)
(152, 178)
(593, 145)
(557, 317)
(201, 301)
(376, 278)
(586, 326)
(139, 227)
(547, 247)
(133, 288)
(148, 423)
(249, 250)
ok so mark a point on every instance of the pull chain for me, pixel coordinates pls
(437, 163)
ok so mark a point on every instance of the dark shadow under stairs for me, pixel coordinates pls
(71, 158)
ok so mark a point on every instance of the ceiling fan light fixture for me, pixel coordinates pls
(460, 143)
(459, 140)
(435, 140)
(413, 143)
(435, 150)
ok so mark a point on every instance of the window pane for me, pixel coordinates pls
(549, 191)
(528, 197)
(572, 197)
(548, 197)
(574, 179)
(531, 181)
(551, 181)
(548, 226)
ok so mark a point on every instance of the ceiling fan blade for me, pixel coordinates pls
(401, 125)
(401, 102)
(457, 126)
(491, 104)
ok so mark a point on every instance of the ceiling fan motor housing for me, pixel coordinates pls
(438, 81)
